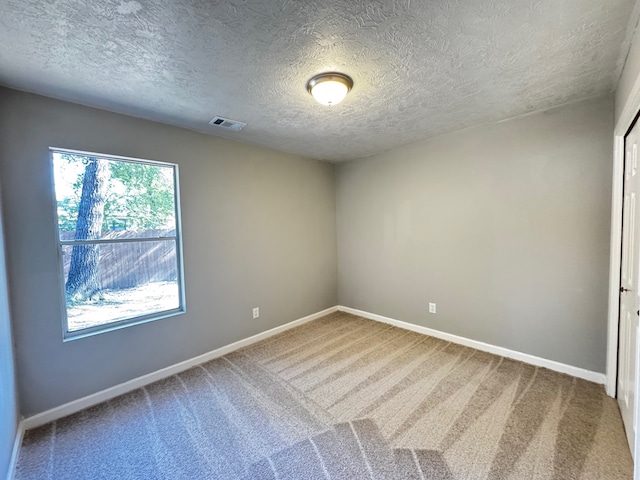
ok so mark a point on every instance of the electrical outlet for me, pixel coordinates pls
(256, 313)
(432, 308)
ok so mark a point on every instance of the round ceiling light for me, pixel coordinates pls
(330, 88)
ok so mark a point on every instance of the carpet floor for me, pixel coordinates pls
(343, 397)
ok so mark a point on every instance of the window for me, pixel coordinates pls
(119, 235)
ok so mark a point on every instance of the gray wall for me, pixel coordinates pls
(505, 227)
(258, 229)
(8, 398)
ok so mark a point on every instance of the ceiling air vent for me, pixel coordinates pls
(227, 124)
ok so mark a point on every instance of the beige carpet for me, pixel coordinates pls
(343, 398)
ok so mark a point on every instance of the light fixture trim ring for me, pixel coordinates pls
(330, 76)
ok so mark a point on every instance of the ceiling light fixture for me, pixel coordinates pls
(329, 88)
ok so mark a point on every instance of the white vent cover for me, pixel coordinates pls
(228, 124)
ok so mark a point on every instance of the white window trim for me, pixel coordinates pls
(141, 319)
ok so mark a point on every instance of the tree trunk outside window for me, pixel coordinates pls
(83, 281)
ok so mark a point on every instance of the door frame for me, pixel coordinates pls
(627, 117)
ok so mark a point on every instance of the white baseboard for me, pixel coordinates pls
(485, 347)
(15, 454)
(112, 392)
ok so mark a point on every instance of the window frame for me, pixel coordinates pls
(140, 319)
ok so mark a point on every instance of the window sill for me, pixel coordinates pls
(97, 330)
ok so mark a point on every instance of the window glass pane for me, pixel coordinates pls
(129, 280)
(111, 214)
(98, 198)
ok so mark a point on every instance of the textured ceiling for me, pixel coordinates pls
(420, 67)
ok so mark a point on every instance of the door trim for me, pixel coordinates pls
(626, 120)
(615, 264)
(627, 117)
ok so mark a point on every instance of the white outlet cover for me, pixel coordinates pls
(432, 308)
(256, 312)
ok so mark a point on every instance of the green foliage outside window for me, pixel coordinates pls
(140, 197)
